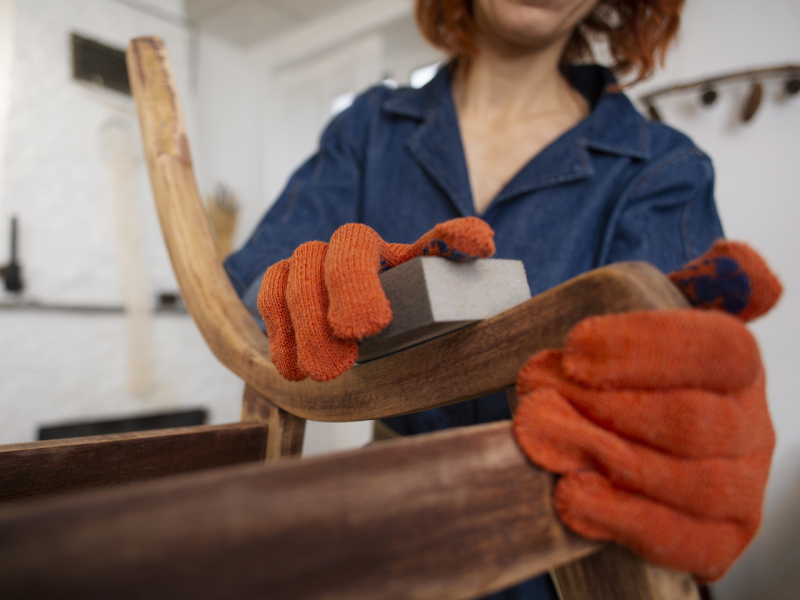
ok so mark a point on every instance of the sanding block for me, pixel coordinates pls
(431, 296)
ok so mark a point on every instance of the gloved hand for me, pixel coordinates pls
(326, 297)
(658, 420)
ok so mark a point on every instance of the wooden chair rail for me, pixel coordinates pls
(57, 466)
(480, 359)
(450, 515)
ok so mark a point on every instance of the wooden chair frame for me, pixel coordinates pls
(456, 514)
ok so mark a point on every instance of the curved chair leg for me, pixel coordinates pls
(284, 431)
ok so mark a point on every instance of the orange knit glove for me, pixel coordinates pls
(326, 297)
(658, 420)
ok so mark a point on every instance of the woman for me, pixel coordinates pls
(547, 152)
(552, 157)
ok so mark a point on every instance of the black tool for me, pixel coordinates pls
(12, 272)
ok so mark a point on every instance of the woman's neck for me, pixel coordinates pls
(504, 81)
(510, 105)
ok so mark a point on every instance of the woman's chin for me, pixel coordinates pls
(533, 24)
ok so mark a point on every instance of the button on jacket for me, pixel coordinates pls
(614, 187)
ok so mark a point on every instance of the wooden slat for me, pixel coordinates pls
(450, 515)
(617, 574)
(286, 432)
(56, 466)
(477, 360)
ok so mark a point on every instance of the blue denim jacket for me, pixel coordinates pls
(615, 187)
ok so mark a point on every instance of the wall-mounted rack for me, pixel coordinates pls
(33, 306)
(707, 89)
(166, 303)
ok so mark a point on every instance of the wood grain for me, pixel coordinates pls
(450, 515)
(57, 466)
(286, 432)
(472, 362)
(615, 573)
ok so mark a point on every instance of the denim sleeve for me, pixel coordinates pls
(323, 194)
(668, 216)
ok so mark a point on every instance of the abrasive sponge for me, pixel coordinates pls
(431, 296)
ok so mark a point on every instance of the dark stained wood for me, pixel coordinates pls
(450, 515)
(472, 362)
(57, 466)
(615, 573)
(286, 431)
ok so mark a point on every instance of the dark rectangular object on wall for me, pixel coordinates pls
(99, 64)
(185, 418)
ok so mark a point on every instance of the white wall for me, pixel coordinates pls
(406, 50)
(59, 179)
(6, 63)
(229, 148)
(66, 367)
(300, 102)
(378, 38)
(87, 239)
(756, 190)
(56, 171)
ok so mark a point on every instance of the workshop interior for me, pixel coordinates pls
(95, 336)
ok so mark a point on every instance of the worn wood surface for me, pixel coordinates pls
(286, 432)
(472, 362)
(615, 573)
(57, 466)
(450, 515)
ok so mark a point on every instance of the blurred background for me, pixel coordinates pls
(97, 331)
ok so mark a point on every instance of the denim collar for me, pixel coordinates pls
(612, 127)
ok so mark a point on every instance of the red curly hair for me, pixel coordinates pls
(638, 32)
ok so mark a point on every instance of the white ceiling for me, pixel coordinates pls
(248, 22)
